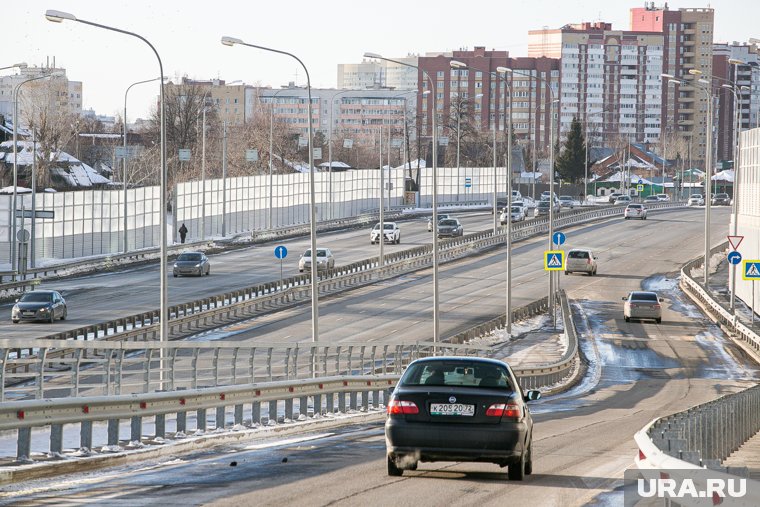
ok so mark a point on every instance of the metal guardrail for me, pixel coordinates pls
(205, 312)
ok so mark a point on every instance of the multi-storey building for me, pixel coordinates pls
(358, 115)
(610, 79)
(533, 84)
(687, 54)
(59, 93)
(746, 78)
(378, 74)
(229, 99)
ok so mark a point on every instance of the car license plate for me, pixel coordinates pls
(459, 409)
(27, 312)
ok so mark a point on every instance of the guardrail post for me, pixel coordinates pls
(215, 364)
(317, 404)
(201, 419)
(41, 377)
(256, 412)
(194, 383)
(289, 408)
(337, 360)
(239, 414)
(353, 399)
(113, 432)
(182, 422)
(85, 435)
(350, 360)
(273, 410)
(24, 444)
(56, 438)
(365, 400)
(136, 427)
(376, 399)
(221, 419)
(269, 363)
(303, 405)
(330, 403)
(160, 425)
(251, 365)
(342, 402)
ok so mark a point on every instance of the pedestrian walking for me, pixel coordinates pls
(182, 233)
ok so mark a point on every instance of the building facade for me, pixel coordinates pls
(58, 93)
(370, 74)
(533, 84)
(229, 99)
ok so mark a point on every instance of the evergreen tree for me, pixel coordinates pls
(571, 163)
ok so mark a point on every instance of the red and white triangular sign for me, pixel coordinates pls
(735, 241)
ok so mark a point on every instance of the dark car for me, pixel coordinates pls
(450, 227)
(720, 200)
(459, 409)
(46, 305)
(192, 263)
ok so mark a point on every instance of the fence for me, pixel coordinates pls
(85, 223)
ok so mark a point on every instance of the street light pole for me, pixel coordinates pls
(436, 317)
(231, 41)
(271, 158)
(14, 226)
(329, 148)
(124, 158)
(508, 321)
(454, 64)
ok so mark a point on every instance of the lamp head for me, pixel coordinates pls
(58, 16)
(21, 65)
(674, 82)
(455, 64)
(504, 70)
(372, 55)
(736, 61)
(703, 81)
(727, 86)
(426, 92)
(667, 76)
(231, 41)
(745, 88)
(695, 72)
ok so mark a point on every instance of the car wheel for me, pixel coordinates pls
(516, 471)
(567, 273)
(529, 461)
(627, 319)
(15, 321)
(398, 240)
(658, 320)
(175, 275)
(65, 313)
(590, 273)
(52, 316)
(393, 470)
(208, 271)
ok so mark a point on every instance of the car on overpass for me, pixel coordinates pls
(721, 199)
(325, 260)
(651, 199)
(441, 216)
(450, 227)
(459, 409)
(191, 263)
(44, 305)
(642, 305)
(696, 200)
(581, 260)
(635, 210)
(392, 233)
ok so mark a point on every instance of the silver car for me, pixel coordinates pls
(642, 305)
(696, 200)
(581, 260)
(191, 263)
(450, 227)
(441, 216)
(325, 260)
(45, 305)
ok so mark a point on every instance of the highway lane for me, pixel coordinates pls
(473, 290)
(103, 296)
(583, 438)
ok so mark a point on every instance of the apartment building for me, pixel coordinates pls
(228, 98)
(370, 74)
(687, 54)
(533, 84)
(746, 77)
(59, 93)
(358, 115)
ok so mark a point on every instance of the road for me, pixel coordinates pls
(583, 438)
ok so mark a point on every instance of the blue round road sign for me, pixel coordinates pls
(280, 252)
(559, 238)
(734, 257)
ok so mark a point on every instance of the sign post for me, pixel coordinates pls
(280, 252)
(734, 241)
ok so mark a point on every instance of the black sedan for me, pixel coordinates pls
(721, 200)
(192, 263)
(459, 409)
(450, 227)
(45, 305)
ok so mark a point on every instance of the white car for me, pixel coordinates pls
(325, 260)
(517, 215)
(623, 199)
(581, 260)
(392, 233)
(663, 197)
(635, 210)
(696, 200)
(567, 201)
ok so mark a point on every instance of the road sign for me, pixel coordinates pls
(734, 257)
(348, 143)
(639, 188)
(22, 235)
(443, 141)
(467, 182)
(559, 238)
(554, 260)
(184, 155)
(252, 155)
(280, 252)
(40, 213)
(735, 241)
(303, 142)
(317, 153)
(640, 182)
(751, 269)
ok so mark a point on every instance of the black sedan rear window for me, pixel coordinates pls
(190, 257)
(456, 373)
(577, 254)
(36, 297)
(643, 296)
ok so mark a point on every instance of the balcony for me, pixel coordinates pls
(689, 54)
(690, 31)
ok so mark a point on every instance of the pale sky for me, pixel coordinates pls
(187, 36)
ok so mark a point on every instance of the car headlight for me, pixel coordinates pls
(197, 265)
(43, 310)
(175, 265)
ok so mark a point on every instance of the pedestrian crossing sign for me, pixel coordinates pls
(554, 260)
(751, 269)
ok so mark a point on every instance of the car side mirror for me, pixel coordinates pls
(624, 298)
(532, 395)
(662, 299)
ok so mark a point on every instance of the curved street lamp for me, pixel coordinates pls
(58, 17)
(232, 41)
(436, 316)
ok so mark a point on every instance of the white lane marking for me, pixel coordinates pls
(288, 441)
